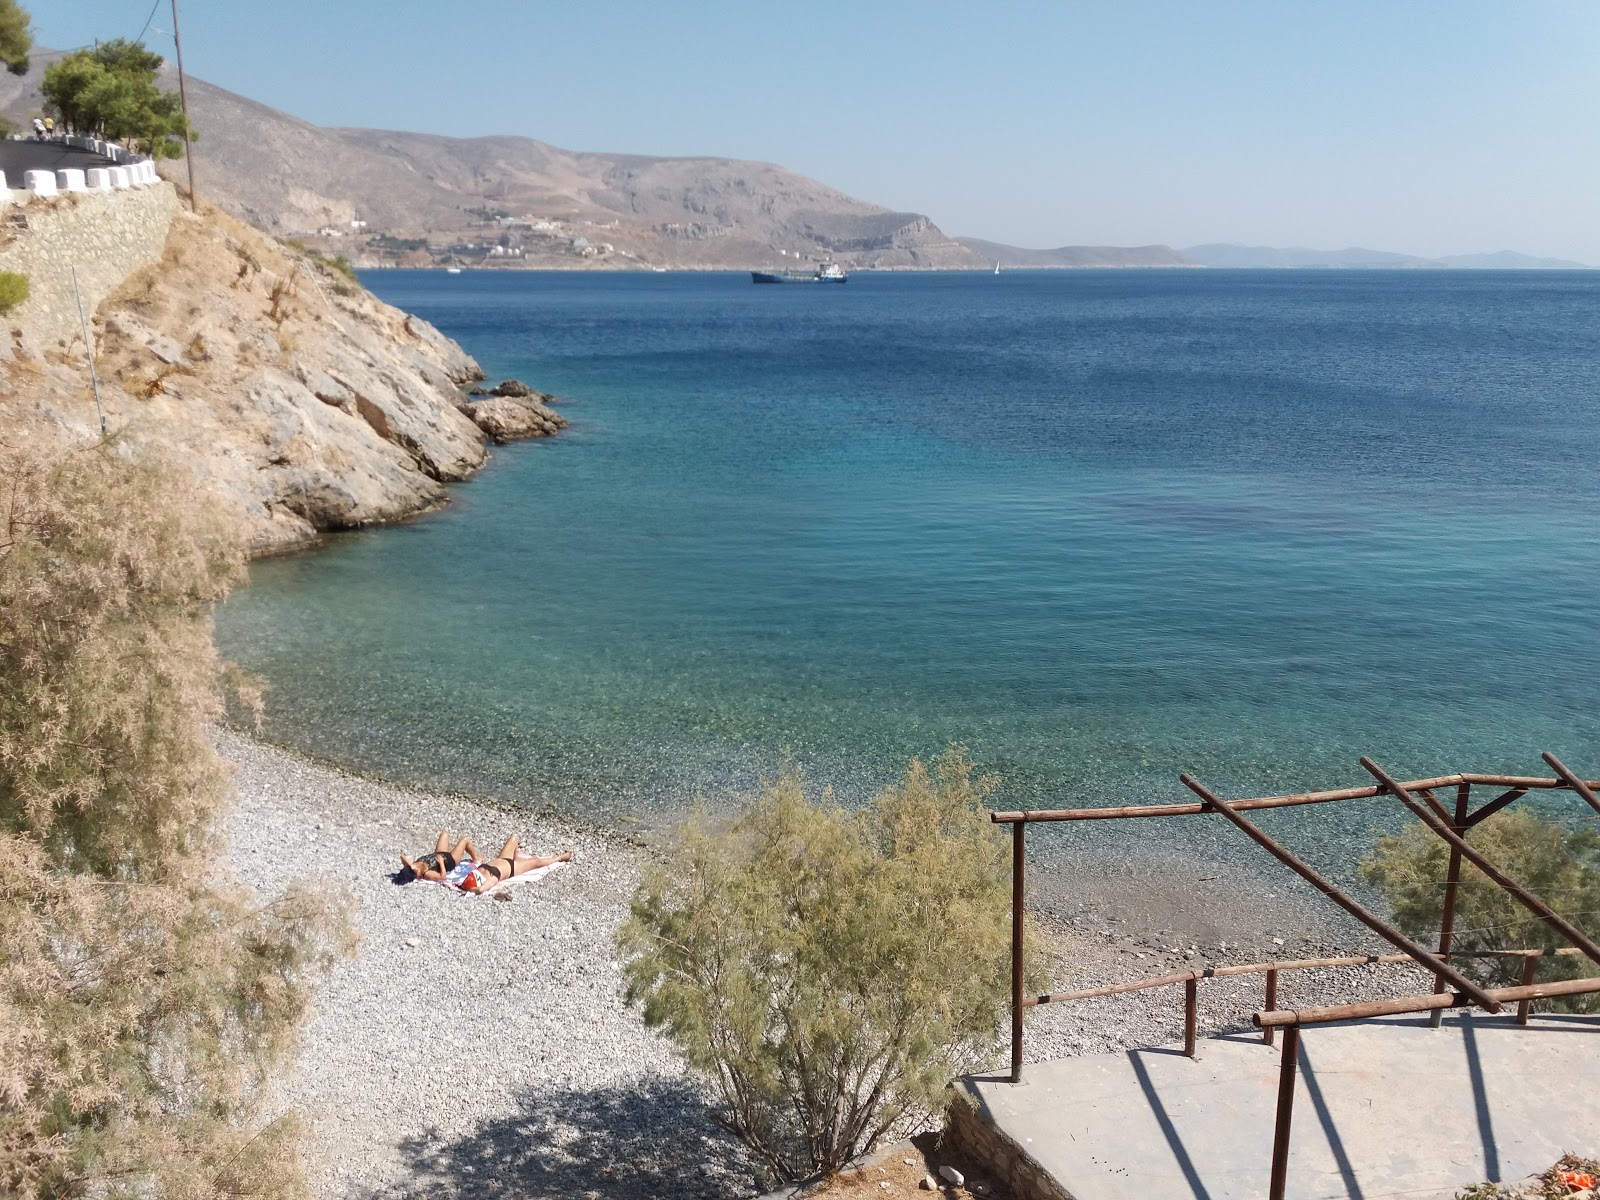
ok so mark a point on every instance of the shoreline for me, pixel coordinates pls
(474, 1044)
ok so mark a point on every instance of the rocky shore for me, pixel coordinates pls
(482, 1047)
(303, 401)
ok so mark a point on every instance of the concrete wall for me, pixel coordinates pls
(107, 236)
(974, 1134)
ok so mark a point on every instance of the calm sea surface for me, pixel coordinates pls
(1101, 527)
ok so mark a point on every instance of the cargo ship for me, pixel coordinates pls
(826, 273)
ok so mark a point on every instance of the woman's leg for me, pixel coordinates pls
(521, 866)
(441, 844)
(465, 849)
(509, 850)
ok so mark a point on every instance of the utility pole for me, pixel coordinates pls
(183, 101)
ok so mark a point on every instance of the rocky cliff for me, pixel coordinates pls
(306, 402)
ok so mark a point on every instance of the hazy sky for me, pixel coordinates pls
(1430, 128)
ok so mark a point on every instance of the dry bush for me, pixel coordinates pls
(828, 970)
(1559, 865)
(144, 996)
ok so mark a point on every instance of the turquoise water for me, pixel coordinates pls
(1102, 527)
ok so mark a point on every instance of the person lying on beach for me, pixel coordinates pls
(442, 859)
(503, 866)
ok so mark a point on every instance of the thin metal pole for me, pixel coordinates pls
(183, 102)
(88, 350)
(1371, 920)
(1270, 1034)
(1447, 920)
(1019, 835)
(1517, 892)
(1191, 1016)
(1280, 1135)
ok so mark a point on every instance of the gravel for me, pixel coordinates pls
(472, 1046)
(479, 1046)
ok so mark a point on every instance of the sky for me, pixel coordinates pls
(1423, 127)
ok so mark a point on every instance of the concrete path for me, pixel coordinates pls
(1386, 1108)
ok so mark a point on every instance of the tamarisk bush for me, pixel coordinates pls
(829, 971)
(144, 995)
(1559, 865)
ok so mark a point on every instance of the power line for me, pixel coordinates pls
(147, 21)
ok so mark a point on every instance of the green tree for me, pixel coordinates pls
(144, 995)
(1559, 865)
(829, 971)
(16, 37)
(111, 91)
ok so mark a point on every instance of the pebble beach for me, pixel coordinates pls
(477, 1046)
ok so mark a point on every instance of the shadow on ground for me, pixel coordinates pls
(652, 1139)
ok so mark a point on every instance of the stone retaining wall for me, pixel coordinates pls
(975, 1135)
(107, 236)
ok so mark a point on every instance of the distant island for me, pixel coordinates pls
(1359, 258)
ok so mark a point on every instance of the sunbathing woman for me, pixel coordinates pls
(442, 859)
(505, 865)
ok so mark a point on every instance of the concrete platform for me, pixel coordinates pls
(1383, 1108)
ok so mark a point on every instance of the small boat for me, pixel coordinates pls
(826, 273)
(452, 270)
(997, 268)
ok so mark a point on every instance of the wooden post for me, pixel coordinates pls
(1191, 1015)
(1280, 1134)
(1571, 780)
(183, 103)
(1270, 1034)
(1507, 884)
(1530, 967)
(1447, 919)
(1019, 835)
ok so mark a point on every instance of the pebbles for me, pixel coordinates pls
(472, 1046)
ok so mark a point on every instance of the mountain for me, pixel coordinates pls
(1510, 260)
(514, 199)
(1356, 257)
(1076, 256)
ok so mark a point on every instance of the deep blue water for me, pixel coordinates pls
(1101, 527)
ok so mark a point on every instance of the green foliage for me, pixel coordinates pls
(13, 290)
(830, 971)
(342, 265)
(110, 90)
(144, 996)
(384, 241)
(1559, 865)
(16, 38)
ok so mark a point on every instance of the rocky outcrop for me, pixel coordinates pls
(307, 403)
(507, 420)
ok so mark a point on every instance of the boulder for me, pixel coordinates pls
(505, 420)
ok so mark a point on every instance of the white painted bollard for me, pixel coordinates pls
(5, 191)
(144, 173)
(40, 183)
(98, 179)
(119, 178)
(70, 179)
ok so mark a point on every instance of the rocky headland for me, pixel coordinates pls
(303, 401)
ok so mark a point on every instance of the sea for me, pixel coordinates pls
(1097, 527)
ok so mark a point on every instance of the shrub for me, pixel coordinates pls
(829, 971)
(144, 996)
(13, 290)
(1559, 865)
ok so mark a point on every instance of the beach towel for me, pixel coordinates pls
(466, 866)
